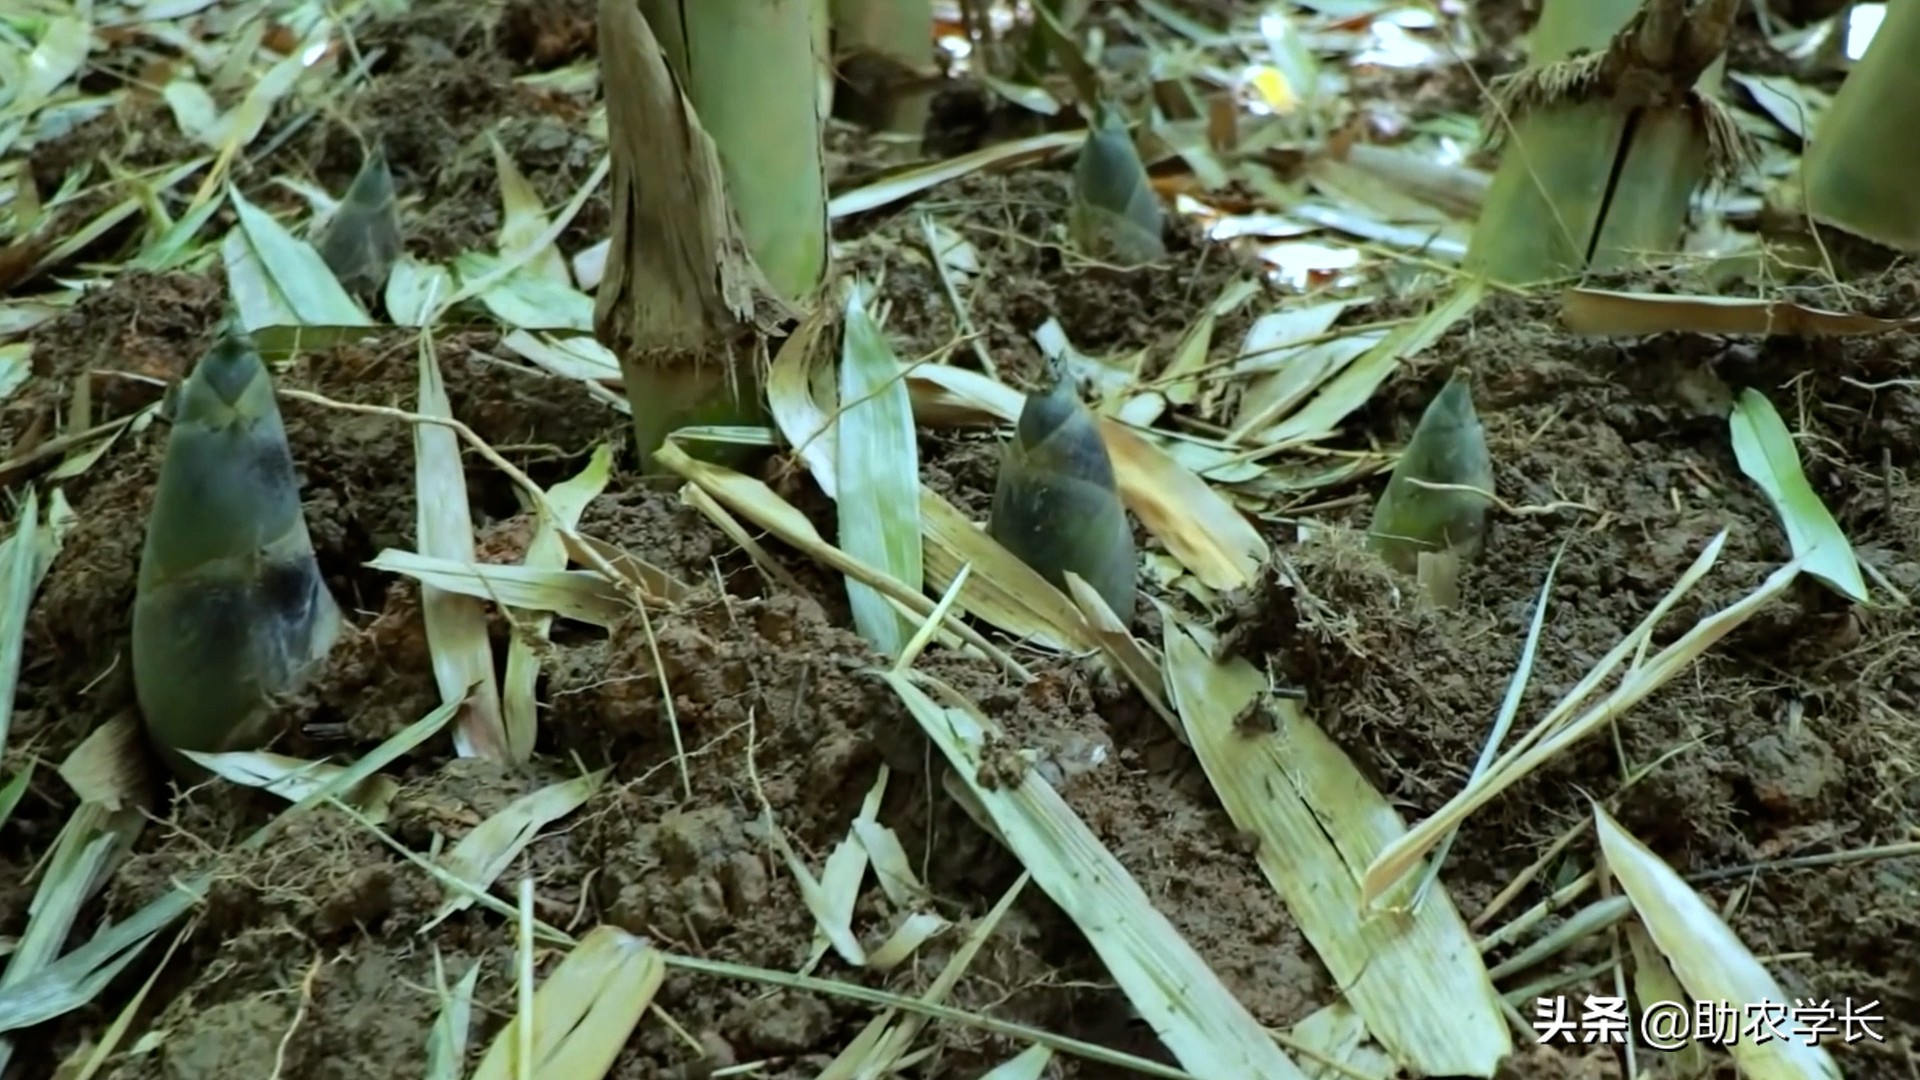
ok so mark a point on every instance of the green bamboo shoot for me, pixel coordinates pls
(1055, 503)
(748, 68)
(1604, 138)
(230, 608)
(1116, 215)
(1436, 499)
(1859, 170)
(363, 239)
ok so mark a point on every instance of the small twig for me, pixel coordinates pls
(1506, 507)
(1805, 862)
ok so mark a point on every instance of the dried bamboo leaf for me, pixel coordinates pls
(1288, 358)
(490, 847)
(581, 595)
(1625, 314)
(838, 891)
(1710, 960)
(294, 778)
(912, 181)
(651, 581)
(456, 624)
(567, 500)
(108, 772)
(1000, 589)
(81, 975)
(1356, 383)
(800, 388)
(1208, 1031)
(1654, 980)
(1416, 978)
(879, 475)
(1124, 651)
(755, 501)
(583, 1014)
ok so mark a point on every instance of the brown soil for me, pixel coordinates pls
(1798, 735)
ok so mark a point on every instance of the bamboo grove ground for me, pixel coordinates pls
(1799, 734)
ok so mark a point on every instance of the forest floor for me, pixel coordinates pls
(1798, 735)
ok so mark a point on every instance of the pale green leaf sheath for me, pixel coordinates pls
(1055, 505)
(231, 608)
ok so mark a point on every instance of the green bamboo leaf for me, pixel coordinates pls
(1029, 1064)
(58, 56)
(20, 576)
(447, 1042)
(415, 291)
(878, 479)
(16, 787)
(1764, 448)
(273, 273)
(16, 366)
(174, 248)
(524, 299)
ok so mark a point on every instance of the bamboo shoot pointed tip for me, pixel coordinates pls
(1116, 213)
(227, 371)
(1435, 501)
(1056, 506)
(363, 240)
